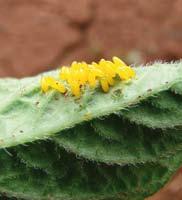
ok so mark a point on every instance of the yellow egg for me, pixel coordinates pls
(104, 85)
(50, 82)
(118, 62)
(44, 85)
(80, 73)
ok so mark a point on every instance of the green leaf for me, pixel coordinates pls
(85, 179)
(124, 144)
(166, 101)
(136, 145)
(28, 115)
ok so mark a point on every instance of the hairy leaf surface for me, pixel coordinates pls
(124, 144)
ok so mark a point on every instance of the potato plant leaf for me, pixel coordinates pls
(124, 144)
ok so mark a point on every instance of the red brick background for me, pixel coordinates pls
(39, 35)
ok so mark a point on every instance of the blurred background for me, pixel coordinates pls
(39, 35)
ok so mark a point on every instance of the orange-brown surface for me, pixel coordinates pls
(172, 190)
(39, 35)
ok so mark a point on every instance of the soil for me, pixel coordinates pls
(172, 190)
(40, 35)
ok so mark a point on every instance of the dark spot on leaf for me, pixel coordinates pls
(56, 98)
(37, 103)
(117, 93)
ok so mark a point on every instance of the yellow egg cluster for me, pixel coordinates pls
(80, 73)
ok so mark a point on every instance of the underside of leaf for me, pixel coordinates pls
(124, 144)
